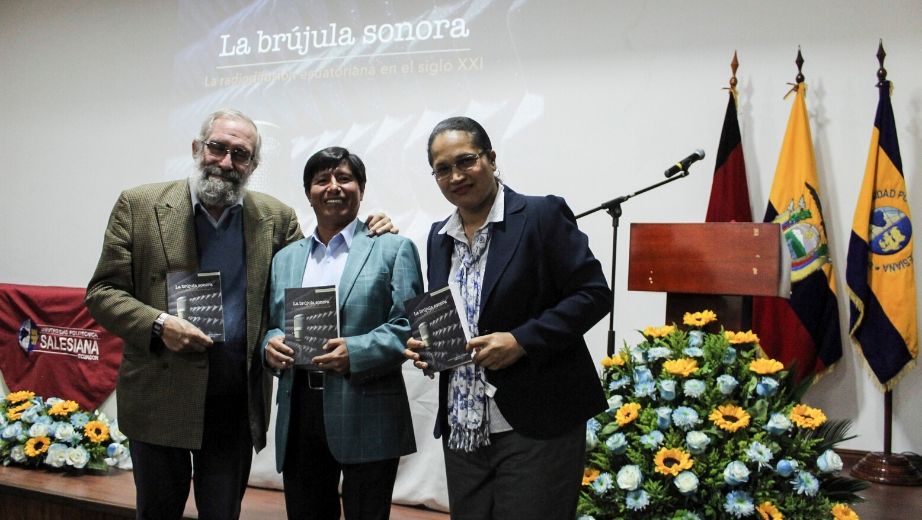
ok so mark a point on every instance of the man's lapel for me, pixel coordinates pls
(177, 229)
(358, 254)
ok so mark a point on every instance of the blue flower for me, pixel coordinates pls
(11, 431)
(667, 389)
(615, 402)
(767, 387)
(592, 440)
(695, 338)
(736, 473)
(739, 504)
(758, 452)
(786, 467)
(694, 388)
(685, 417)
(79, 419)
(652, 440)
(777, 424)
(658, 353)
(617, 443)
(829, 462)
(644, 389)
(729, 356)
(806, 484)
(686, 482)
(602, 484)
(593, 425)
(56, 456)
(727, 384)
(663, 417)
(637, 500)
(31, 415)
(642, 374)
(697, 441)
(693, 352)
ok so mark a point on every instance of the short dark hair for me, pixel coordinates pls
(461, 124)
(331, 158)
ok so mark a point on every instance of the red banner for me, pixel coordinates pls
(50, 344)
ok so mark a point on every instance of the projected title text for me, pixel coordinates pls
(302, 41)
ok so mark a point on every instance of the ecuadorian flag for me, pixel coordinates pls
(803, 330)
(880, 274)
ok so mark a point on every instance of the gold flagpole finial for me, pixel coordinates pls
(734, 65)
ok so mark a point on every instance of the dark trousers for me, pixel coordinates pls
(517, 477)
(219, 470)
(311, 473)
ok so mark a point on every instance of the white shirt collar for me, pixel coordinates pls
(455, 228)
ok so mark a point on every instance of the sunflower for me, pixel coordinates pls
(63, 408)
(17, 397)
(699, 319)
(658, 332)
(843, 512)
(96, 431)
(37, 445)
(768, 511)
(681, 367)
(15, 412)
(672, 461)
(729, 417)
(741, 338)
(627, 413)
(765, 367)
(613, 361)
(807, 417)
(589, 475)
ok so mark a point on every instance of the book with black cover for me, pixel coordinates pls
(196, 298)
(434, 320)
(311, 318)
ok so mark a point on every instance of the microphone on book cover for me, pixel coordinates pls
(683, 165)
(424, 333)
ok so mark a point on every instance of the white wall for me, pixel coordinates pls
(626, 88)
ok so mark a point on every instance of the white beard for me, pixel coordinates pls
(218, 188)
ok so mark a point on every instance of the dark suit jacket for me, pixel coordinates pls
(543, 285)
(366, 415)
(151, 231)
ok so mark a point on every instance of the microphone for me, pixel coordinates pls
(683, 165)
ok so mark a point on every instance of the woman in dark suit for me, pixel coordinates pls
(528, 287)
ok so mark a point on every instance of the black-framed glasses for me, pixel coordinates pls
(462, 163)
(239, 156)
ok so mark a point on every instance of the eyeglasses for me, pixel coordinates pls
(463, 163)
(239, 156)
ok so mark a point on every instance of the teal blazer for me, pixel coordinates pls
(366, 412)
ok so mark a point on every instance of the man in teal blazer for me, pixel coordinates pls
(347, 412)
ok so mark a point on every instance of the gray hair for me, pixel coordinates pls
(230, 113)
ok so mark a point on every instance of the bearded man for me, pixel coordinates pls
(185, 401)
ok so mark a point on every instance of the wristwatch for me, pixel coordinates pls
(157, 329)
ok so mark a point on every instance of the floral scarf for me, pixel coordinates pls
(467, 398)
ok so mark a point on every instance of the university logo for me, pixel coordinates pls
(28, 335)
(891, 230)
(48, 339)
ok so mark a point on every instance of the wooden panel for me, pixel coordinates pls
(727, 258)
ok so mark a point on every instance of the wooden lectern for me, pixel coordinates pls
(717, 266)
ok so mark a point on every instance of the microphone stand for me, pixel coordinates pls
(613, 207)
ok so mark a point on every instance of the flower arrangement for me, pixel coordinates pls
(56, 433)
(701, 426)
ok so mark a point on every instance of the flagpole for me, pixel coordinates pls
(887, 467)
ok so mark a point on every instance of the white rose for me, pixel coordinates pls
(56, 456)
(629, 477)
(78, 457)
(18, 453)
